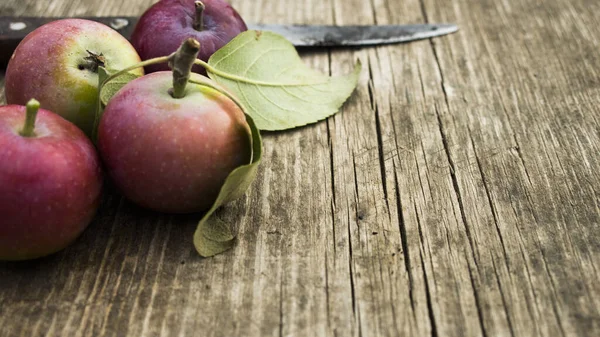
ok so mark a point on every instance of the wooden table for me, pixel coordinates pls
(455, 194)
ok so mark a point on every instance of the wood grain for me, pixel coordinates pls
(455, 194)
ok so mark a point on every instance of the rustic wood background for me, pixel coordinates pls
(456, 194)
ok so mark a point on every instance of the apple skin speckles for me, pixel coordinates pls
(50, 184)
(46, 65)
(172, 157)
(164, 26)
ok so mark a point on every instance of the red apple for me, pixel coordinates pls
(172, 154)
(50, 182)
(165, 25)
(58, 64)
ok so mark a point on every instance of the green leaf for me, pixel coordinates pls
(265, 72)
(110, 88)
(106, 90)
(102, 76)
(213, 236)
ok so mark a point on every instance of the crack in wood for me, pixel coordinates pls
(503, 297)
(454, 179)
(477, 300)
(428, 296)
(381, 155)
(490, 202)
(430, 311)
(404, 242)
(281, 307)
(553, 287)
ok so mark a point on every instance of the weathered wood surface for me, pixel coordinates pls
(456, 194)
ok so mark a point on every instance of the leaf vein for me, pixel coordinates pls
(259, 57)
(230, 53)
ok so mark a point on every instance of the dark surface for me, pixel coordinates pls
(305, 36)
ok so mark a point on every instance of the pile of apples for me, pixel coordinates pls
(167, 150)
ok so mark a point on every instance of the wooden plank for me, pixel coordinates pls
(455, 194)
(499, 131)
(366, 202)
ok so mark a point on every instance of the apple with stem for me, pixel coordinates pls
(58, 64)
(168, 144)
(164, 26)
(50, 182)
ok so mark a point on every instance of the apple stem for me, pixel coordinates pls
(181, 62)
(199, 18)
(92, 62)
(32, 109)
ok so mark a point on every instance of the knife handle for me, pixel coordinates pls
(14, 29)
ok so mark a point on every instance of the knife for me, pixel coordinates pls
(14, 29)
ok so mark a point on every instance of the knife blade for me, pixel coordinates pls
(14, 29)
